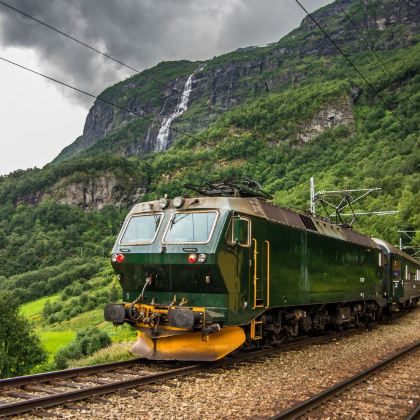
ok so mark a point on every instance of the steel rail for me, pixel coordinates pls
(415, 414)
(305, 406)
(20, 407)
(79, 394)
(67, 373)
(23, 406)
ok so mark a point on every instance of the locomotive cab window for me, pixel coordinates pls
(141, 230)
(190, 227)
(239, 231)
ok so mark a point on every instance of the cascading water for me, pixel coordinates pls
(163, 135)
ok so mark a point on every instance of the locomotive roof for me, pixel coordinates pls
(261, 208)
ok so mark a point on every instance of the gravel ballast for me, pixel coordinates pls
(262, 388)
(391, 393)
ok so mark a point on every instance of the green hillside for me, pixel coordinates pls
(316, 117)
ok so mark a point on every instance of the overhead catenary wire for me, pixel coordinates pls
(84, 92)
(104, 54)
(347, 58)
(96, 50)
(49, 26)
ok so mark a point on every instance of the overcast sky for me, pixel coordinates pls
(38, 118)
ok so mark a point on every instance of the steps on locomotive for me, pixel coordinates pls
(256, 329)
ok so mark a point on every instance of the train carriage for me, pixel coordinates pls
(203, 276)
(401, 276)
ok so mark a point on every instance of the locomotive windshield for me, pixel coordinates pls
(141, 229)
(191, 227)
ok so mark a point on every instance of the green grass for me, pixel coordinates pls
(122, 333)
(33, 310)
(57, 335)
(96, 317)
(53, 340)
(114, 353)
(86, 319)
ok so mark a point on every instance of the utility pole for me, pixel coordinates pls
(312, 194)
(410, 235)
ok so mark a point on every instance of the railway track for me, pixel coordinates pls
(41, 391)
(328, 402)
(22, 394)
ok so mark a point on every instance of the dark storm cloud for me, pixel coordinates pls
(141, 32)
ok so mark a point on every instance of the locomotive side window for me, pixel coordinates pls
(191, 227)
(239, 231)
(141, 230)
(396, 269)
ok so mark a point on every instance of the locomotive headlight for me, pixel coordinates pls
(163, 203)
(114, 258)
(202, 258)
(178, 202)
(192, 258)
(119, 258)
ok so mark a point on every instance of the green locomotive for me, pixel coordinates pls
(203, 276)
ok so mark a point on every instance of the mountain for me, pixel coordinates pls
(225, 82)
(278, 114)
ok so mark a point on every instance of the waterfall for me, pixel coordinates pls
(163, 135)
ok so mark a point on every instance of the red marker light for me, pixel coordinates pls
(119, 258)
(192, 258)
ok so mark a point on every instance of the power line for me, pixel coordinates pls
(84, 44)
(166, 85)
(355, 68)
(104, 54)
(100, 99)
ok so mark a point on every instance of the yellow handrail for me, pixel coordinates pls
(255, 272)
(267, 304)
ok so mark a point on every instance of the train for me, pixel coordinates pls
(207, 275)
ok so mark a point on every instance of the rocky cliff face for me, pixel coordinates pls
(92, 193)
(229, 80)
(338, 113)
(96, 192)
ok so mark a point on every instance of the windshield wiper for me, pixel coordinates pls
(157, 221)
(175, 220)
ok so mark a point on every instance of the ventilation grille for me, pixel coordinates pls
(308, 222)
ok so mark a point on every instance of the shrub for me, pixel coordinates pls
(86, 343)
(47, 310)
(84, 299)
(20, 348)
(113, 294)
(75, 311)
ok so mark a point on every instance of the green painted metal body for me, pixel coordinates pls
(173, 275)
(282, 266)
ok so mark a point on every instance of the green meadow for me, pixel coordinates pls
(33, 310)
(59, 334)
